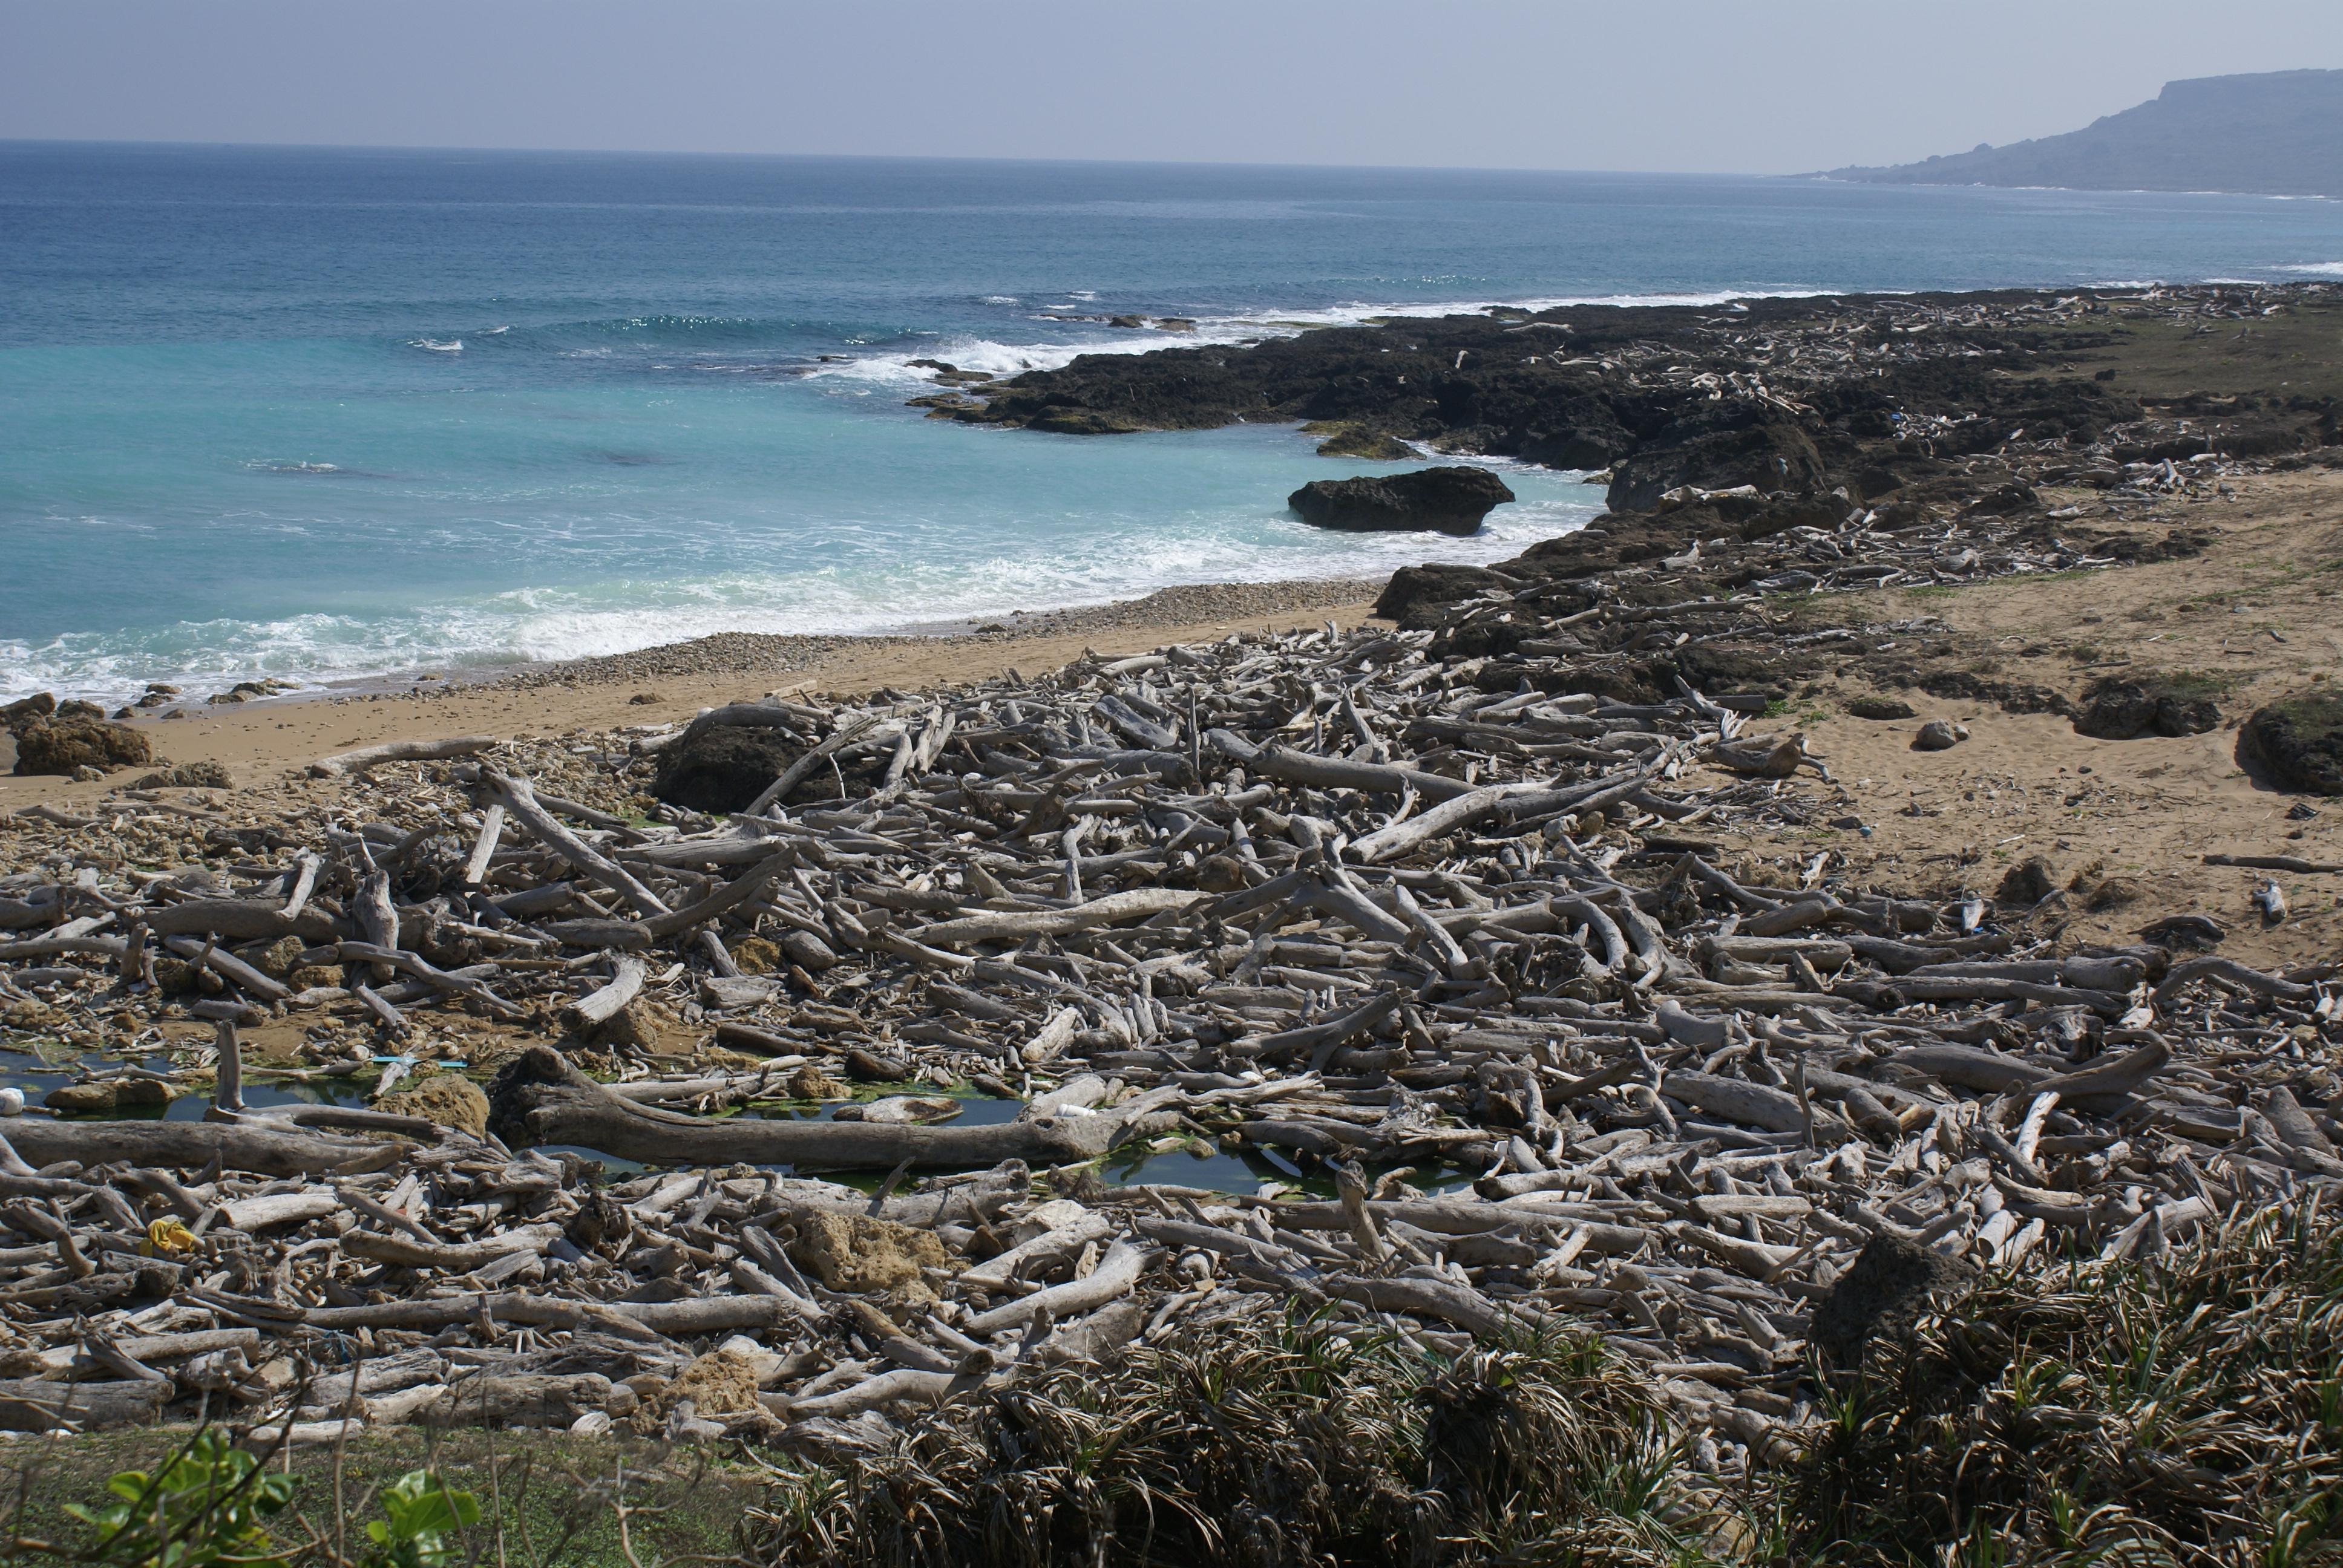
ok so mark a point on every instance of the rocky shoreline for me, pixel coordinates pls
(1508, 990)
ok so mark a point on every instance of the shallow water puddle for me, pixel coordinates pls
(1219, 1171)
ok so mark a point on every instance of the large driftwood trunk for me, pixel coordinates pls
(539, 1097)
(30, 1406)
(190, 1146)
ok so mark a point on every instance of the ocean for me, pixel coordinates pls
(326, 413)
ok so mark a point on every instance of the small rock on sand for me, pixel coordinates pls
(1939, 735)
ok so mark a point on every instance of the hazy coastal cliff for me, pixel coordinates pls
(2279, 132)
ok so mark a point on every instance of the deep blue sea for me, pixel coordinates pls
(331, 413)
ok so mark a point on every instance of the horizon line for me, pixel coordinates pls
(882, 157)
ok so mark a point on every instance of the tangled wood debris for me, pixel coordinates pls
(1425, 933)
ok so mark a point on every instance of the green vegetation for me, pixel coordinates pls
(206, 1505)
(406, 1498)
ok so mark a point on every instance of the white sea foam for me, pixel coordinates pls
(1116, 562)
(438, 346)
(2317, 269)
(998, 358)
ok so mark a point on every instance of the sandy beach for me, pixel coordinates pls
(667, 685)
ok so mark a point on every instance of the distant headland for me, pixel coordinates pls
(2279, 132)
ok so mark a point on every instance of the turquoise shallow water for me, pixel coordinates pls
(332, 413)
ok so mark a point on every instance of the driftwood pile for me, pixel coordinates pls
(1457, 959)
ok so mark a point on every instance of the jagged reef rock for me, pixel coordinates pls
(1453, 500)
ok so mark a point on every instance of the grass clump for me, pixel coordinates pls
(2187, 1410)
(1275, 1441)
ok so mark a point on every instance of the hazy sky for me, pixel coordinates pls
(1697, 84)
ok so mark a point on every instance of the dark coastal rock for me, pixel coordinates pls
(1881, 708)
(1416, 596)
(1592, 441)
(64, 746)
(725, 768)
(2123, 709)
(1891, 1284)
(1453, 500)
(2005, 501)
(1719, 452)
(1345, 440)
(2298, 742)
(1083, 422)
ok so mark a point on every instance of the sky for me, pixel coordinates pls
(1774, 87)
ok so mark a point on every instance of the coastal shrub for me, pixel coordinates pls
(1279, 1441)
(2187, 1409)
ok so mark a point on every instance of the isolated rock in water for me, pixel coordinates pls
(1939, 735)
(62, 746)
(1881, 708)
(1766, 455)
(444, 1099)
(2298, 741)
(903, 1110)
(1887, 1288)
(2123, 710)
(1451, 500)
